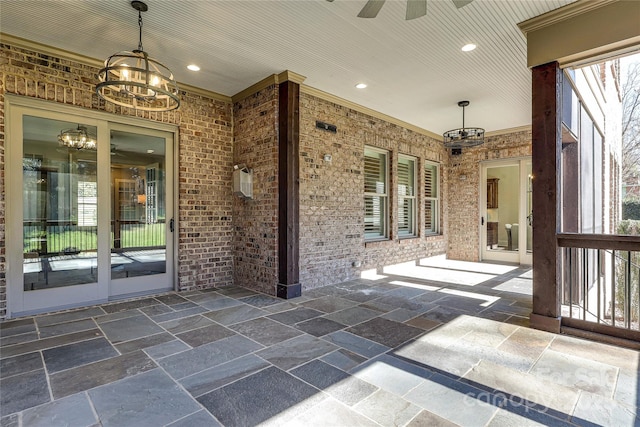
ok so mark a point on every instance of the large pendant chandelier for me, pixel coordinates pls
(133, 79)
(463, 137)
(78, 138)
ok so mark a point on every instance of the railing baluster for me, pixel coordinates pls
(627, 292)
(571, 290)
(598, 259)
(638, 289)
(584, 286)
(613, 287)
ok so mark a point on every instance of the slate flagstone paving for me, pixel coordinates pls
(395, 350)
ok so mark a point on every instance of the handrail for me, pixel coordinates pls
(619, 242)
(67, 223)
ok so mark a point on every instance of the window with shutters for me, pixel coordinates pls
(431, 198)
(376, 198)
(406, 196)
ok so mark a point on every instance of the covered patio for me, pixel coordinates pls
(433, 342)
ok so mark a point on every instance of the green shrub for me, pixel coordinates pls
(630, 210)
(630, 227)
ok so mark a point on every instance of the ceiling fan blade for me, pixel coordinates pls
(416, 9)
(461, 3)
(371, 9)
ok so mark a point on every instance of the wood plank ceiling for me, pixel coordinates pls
(415, 70)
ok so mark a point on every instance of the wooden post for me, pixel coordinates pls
(546, 158)
(288, 190)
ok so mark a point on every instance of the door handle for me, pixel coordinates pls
(481, 220)
(171, 225)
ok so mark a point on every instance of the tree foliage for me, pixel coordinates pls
(631, 125)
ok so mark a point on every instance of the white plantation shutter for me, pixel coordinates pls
(431, 199)
(406, 196)
(375, 193)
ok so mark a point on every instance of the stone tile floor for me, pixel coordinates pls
(434, 343)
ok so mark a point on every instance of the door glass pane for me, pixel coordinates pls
(138, 214)
(59, 203)
(503, 208)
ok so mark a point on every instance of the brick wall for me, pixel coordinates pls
(205, 159)
(224, 239)
(255, 233)
(331, 193)
(464, 181)
(205, 251)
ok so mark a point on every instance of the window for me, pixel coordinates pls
(406, 196)
(87, 204)
(431, 198)
(375, 194)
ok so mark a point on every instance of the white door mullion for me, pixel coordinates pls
(104, 210)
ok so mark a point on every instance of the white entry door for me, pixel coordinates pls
(506, 211)
(79, 195)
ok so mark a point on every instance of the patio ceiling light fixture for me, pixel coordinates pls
(133, 79)
(463, 137)
(78, 138)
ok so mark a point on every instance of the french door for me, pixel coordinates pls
(506, 211)
(89, 208)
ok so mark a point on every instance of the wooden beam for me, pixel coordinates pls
(599, 241)
(288, 190)
(546, 159)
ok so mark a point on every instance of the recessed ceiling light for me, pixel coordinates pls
(193, 67)
(361, 85)
(468, 47)
(150, 151)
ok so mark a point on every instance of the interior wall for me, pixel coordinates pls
(508, 198)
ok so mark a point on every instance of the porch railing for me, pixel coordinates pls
(42, 238)
(600, 278)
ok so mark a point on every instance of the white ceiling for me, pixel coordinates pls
(415, 69)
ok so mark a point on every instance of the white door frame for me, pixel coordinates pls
(521, 256)
(20, 302)
(119, 288)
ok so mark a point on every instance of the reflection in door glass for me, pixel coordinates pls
(59, 203)
(138, 214)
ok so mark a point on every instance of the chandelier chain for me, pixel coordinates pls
(140, 30)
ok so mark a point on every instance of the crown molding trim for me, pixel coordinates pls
(49, 50)
(368, 111)
(561, 14)
(93, 62)
(567, 35)
(525, 128)
(268, 81)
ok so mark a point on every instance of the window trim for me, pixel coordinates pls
(384, 196)
(413, 226)
(435, 230)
